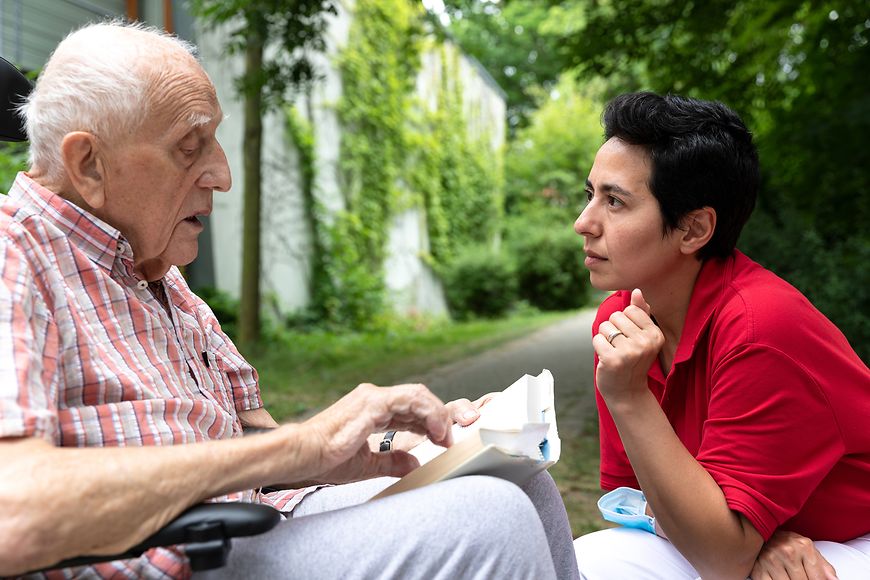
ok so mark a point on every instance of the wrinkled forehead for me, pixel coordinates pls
(181, 94)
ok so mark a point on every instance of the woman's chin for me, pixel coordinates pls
(599, 283)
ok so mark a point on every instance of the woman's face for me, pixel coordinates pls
(622, 223)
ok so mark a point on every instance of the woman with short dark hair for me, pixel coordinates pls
(732, 407)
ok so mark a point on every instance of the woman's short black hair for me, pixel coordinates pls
(702, 155)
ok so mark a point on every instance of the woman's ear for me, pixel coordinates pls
(697, 229)
(82, 159)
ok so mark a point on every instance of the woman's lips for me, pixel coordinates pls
(593, 259)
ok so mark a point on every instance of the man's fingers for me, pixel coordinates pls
(415, 406)
(463, 411)
(483, 400)
(392, 464)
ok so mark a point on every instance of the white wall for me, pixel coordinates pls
(411, 284)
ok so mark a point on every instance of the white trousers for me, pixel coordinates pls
(619, 553)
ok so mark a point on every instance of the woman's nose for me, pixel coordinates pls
(585, 224)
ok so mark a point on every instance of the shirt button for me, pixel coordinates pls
(142, 284)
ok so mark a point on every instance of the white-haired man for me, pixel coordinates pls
(108, 363)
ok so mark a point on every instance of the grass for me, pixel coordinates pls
(576, 473)
(301, 373)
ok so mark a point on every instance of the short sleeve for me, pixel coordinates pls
(28, 351)
(755, 443)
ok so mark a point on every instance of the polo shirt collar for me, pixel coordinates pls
(97, 239)
(712, 280)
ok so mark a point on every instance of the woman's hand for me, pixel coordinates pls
(626, 344)
(790, 556)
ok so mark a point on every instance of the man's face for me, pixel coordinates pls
(160, 180)
(622, 223)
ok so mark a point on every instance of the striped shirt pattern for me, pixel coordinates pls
(89, 357)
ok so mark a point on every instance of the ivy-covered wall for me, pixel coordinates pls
(377, 177)
(406, 145)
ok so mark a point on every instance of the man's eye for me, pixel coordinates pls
(614, 201)
(589, 195)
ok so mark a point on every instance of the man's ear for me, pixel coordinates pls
(83, 161)
(697, 229)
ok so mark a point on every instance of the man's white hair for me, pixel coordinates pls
(97, 80)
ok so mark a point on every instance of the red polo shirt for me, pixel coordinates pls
(768, 395)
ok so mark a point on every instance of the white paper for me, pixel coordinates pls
(524, 413)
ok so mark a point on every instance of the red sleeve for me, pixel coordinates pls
(763, 404)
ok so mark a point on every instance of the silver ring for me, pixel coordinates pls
(613, 335)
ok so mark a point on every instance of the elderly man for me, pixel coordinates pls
(122, 402)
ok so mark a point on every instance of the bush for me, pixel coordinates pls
(480, 282)
(224, 306)
(13, 158)
(549, 270)
(549, 260)
(832, 274)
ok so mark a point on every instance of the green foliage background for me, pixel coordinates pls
(395, 154)
(481, 282)
(795, 70)
(13, 158)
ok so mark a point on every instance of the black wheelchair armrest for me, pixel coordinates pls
(205, 530)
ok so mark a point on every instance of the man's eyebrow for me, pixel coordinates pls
(610, 188)
(197, 119)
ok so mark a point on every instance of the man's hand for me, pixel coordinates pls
(626, 344)
(790, 556)
(462, 412)
(334, 442)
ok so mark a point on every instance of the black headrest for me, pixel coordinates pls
(14, 88)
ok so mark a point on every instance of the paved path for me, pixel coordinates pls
(564, 348)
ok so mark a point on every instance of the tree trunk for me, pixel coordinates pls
(249, 307)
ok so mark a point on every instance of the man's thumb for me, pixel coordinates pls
(394, 464)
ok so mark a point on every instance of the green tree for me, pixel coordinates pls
(796, 71)
(507, 38)
(13, 158)
(292, 27)
(548, 160)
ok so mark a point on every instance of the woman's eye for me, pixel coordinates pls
(589, 195)
(614, 201)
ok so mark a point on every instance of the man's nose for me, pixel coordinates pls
(216, 175)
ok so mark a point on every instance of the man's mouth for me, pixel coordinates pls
(194, 217)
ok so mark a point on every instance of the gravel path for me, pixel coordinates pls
(564, 348)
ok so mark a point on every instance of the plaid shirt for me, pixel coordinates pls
(90, 358)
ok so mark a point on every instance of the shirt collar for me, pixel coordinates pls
(97, 239)
(706, 296)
